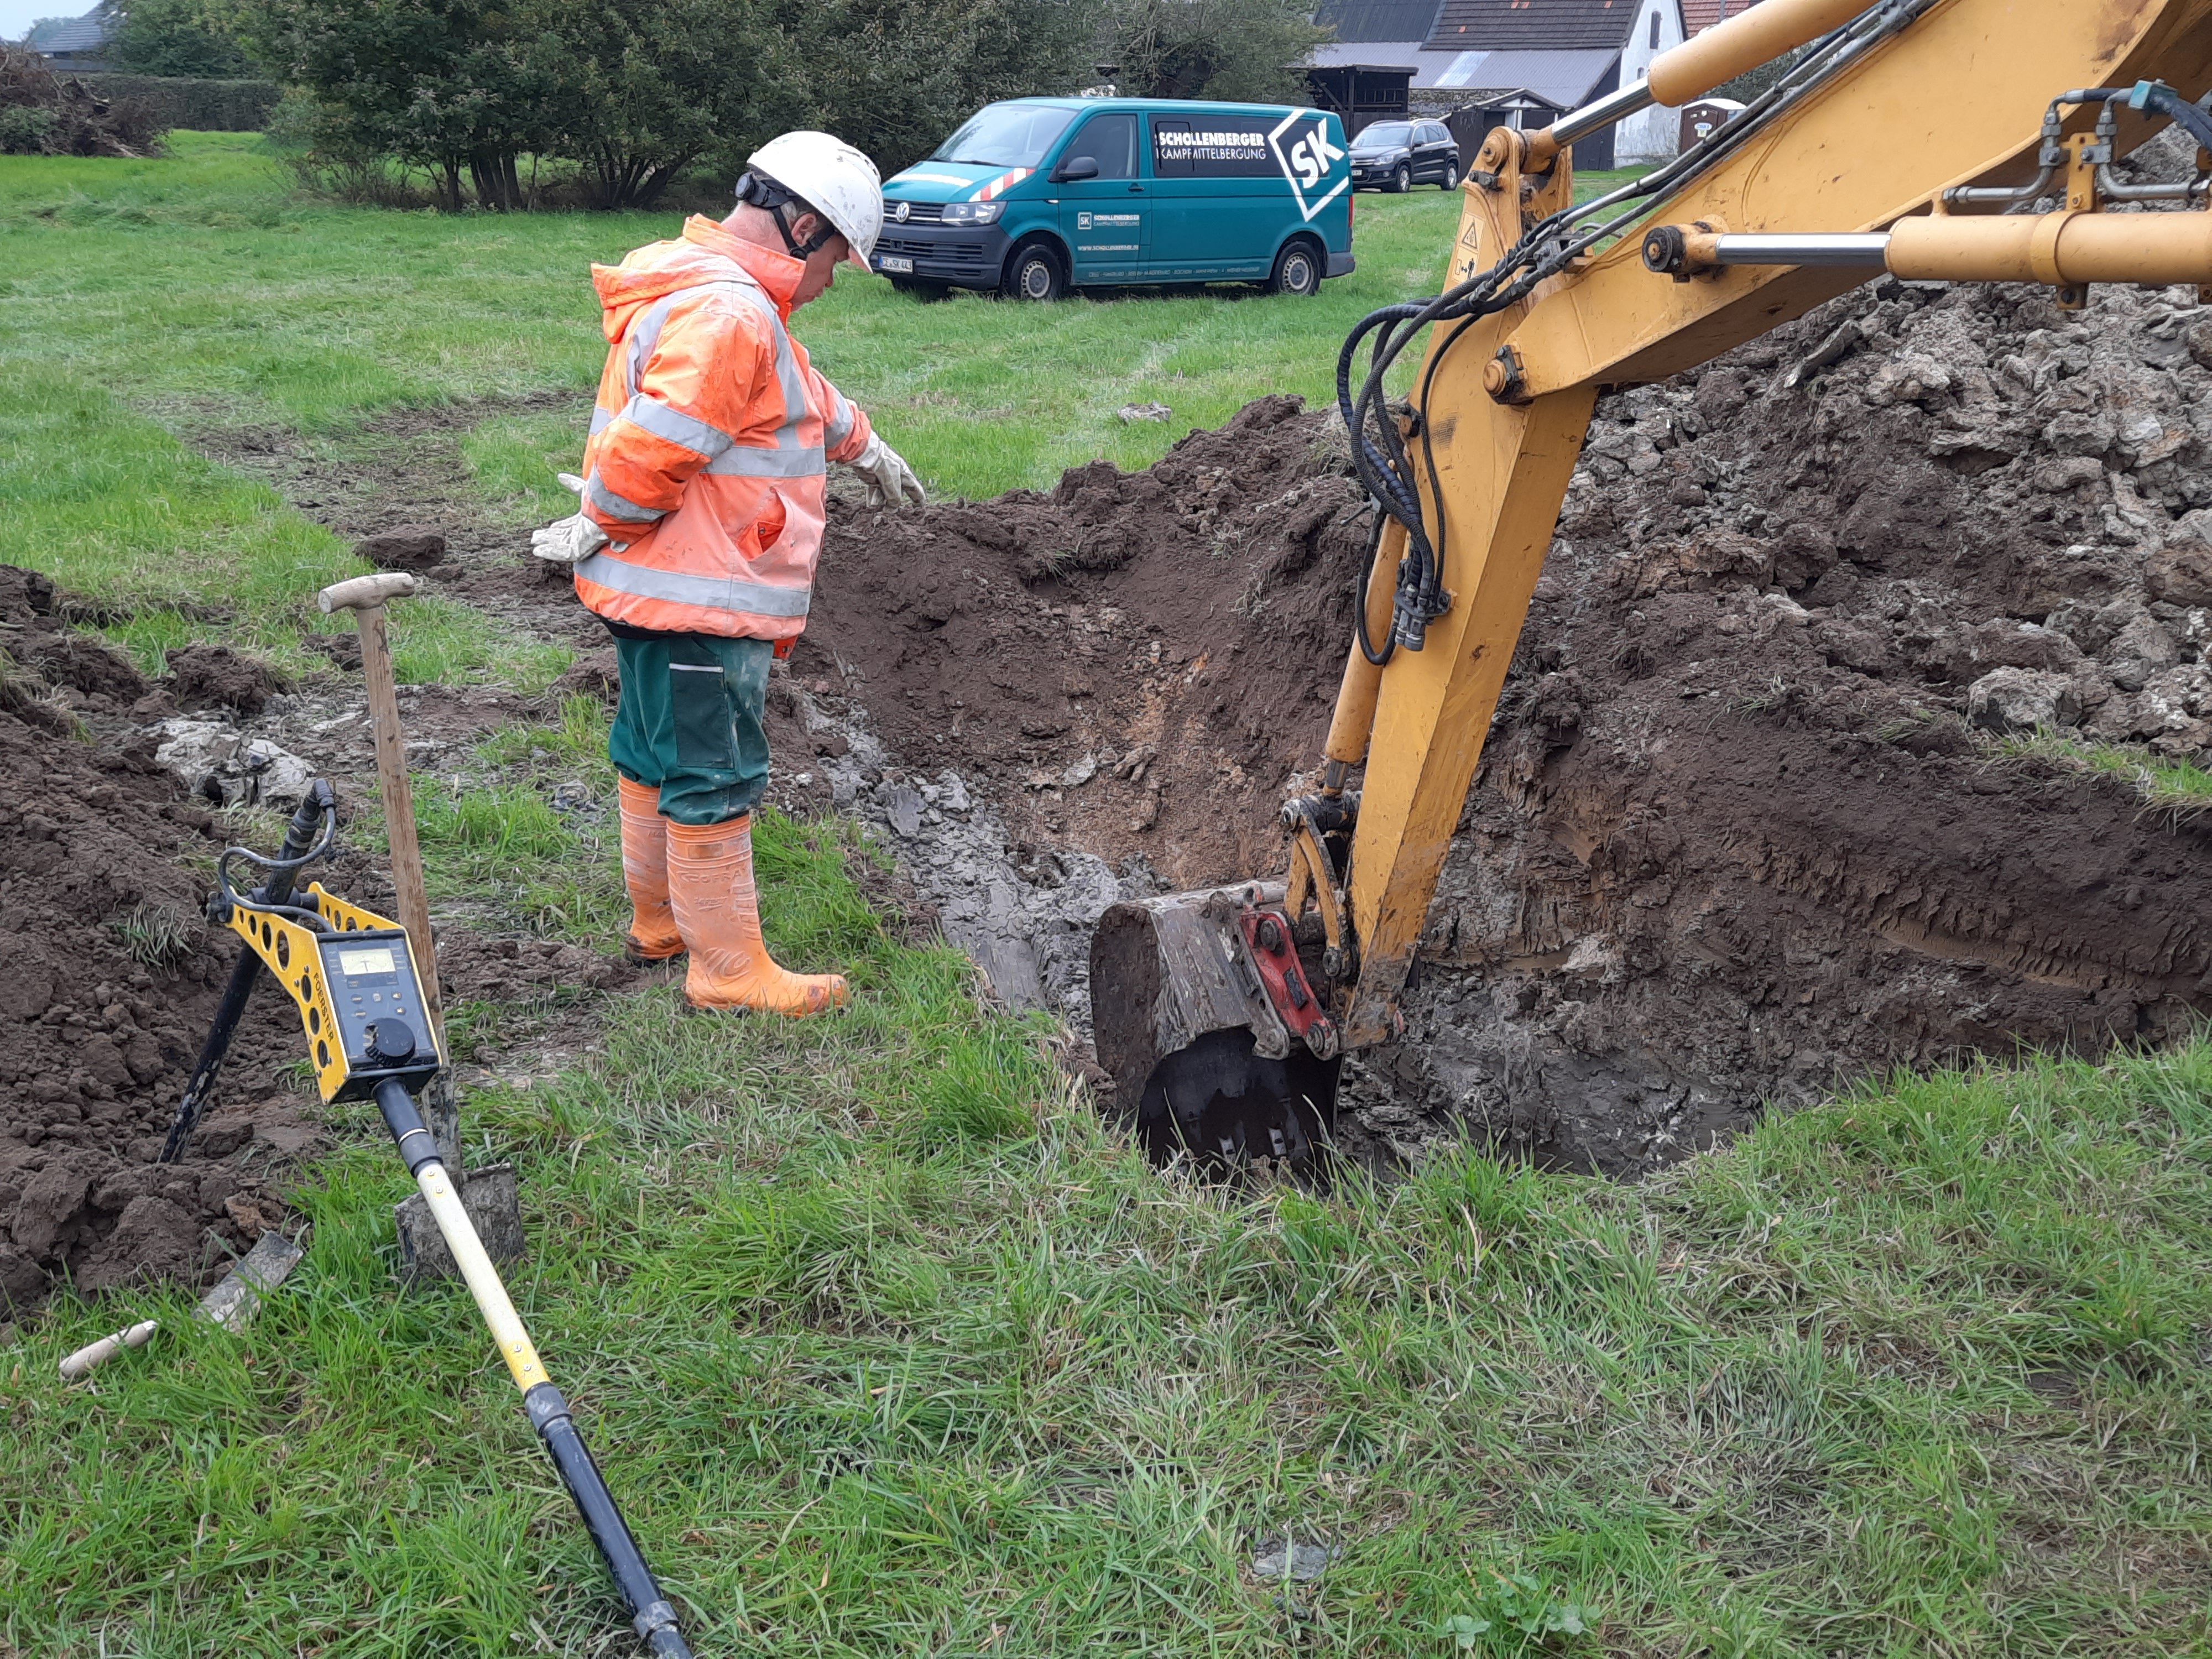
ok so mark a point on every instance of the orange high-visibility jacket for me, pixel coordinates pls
(707, 463)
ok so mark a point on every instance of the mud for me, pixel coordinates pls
(1748, 825)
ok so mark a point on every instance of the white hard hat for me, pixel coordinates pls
(832, 177)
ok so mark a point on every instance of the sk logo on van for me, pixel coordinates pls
(1304, 152)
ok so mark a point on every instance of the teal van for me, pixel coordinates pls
(1036, 196)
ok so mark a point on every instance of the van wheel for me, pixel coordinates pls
(1402, 180)
(1450, 180)
(1297, 270)
(1035, 273)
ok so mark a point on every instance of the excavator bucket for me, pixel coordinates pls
(1205, 1016)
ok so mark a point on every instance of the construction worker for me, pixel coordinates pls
(702, 503)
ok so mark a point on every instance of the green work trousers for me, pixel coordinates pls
(689, 723)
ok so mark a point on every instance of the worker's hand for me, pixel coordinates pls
(567, 540)
(890, 480)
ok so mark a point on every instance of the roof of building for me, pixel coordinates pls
(1532, 25)
(1378, 20)
(1567, 78)
(1368, 54)
(1704, 14)
(1510, 98)
(79, 34)
(1356, 65)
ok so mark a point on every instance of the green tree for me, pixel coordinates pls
(173, 37)
(639, 90)
(454, 86)
(895, 76)
(1236, 49)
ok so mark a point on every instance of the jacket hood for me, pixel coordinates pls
(704, 253)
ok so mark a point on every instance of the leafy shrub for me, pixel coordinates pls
(25, 129)
(197, 103)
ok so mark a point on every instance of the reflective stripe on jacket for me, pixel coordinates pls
(707, 465)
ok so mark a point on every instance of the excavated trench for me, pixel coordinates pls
(1762, 810)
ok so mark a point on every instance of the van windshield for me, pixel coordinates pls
(1006, 136)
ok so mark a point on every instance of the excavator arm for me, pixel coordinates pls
(1914, 138)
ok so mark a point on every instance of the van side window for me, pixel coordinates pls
(1211, 147)
(1111, 140)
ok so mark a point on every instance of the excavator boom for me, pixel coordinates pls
(1906, 137)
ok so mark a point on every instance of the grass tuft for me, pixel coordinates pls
(2179, 789)
(158, 936)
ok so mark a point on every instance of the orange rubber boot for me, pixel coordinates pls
(710, 881)
(653, 936)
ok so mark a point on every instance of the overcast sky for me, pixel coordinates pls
(16, 16)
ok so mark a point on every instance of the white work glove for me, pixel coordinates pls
(890, 480)
(567, 540)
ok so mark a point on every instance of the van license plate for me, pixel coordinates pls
(894, 265)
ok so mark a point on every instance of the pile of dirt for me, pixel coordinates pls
(217, 676)
(1747, 826)
(110, 981)
(1748, 823)
(112, 976)
(35, 635)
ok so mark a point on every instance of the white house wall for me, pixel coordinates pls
(1650, 135)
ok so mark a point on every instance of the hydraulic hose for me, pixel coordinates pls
(1379, 455)
(2156, 97)
(316, 815)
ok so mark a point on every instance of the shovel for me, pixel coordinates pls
(229, 1304)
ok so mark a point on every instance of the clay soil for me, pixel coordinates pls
(1745, 827)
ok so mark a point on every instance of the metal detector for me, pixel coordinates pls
(353, 977)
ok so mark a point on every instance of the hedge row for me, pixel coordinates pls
(193, 103)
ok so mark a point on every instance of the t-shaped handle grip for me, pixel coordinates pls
(367, 593)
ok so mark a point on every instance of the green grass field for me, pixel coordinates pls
(887, 1346)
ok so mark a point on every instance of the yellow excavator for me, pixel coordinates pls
(1946, 140)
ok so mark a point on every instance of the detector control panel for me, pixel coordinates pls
(377, 997)
(354, 979)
